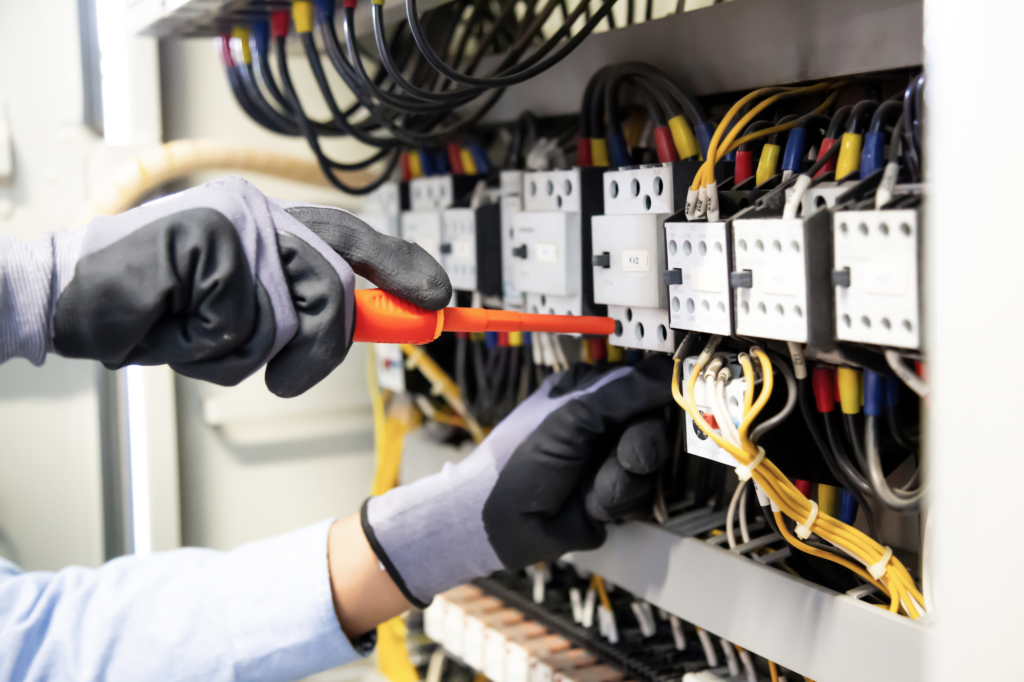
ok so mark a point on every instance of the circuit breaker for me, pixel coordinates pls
(511, 182)
(382, 208)
(424, 228)
(876, 277)
(628, 255)
(550, 237)
(458, 247)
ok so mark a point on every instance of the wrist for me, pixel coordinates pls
(363, 592)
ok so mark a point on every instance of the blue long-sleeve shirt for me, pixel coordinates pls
(261, 612)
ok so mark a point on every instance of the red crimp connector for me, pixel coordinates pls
(455, 158)
(597, 349)
(280, 22)
(350, 3)
(829, 167)
(583, 157)
(744, 166)
(803, 486)
(823, 381)
(403, 161)
(225, 51)
(665, 145)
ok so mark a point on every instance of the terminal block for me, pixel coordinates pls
(550, 237)
(697, 442)
(698, 276)
(438, 192)
(628, 253)
(876, 277)
(781, 278)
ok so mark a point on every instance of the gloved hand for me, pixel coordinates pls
(523, 495)
(215, 281)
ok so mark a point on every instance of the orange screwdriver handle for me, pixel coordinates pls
(384, 318)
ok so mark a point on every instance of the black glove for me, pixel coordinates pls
(219, 280)
(522, 496)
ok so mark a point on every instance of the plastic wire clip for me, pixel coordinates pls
(745, 472)
(803, 530)
(878, 570)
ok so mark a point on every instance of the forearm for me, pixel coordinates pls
(31, 274)
(363, 592)
(263, 611)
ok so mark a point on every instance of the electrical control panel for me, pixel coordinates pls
(458, 247)
(781, 278)
(698, 276)
(550, 237)
(876, 277)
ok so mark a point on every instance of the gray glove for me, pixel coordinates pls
(216, 282)
(523, 495)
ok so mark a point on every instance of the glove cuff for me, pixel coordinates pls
(430, 535)
(385, 560)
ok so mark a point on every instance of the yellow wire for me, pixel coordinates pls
(718, 148)
(897, 581)
(597, 584)
(774, 670)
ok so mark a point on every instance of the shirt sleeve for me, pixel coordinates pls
(263, 611)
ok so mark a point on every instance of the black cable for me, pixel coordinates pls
(903, 438)
(860, 117)
(853, 435)
(838, 123)
(518, 75)
(885, 115)
(758, 143)
(314, 143)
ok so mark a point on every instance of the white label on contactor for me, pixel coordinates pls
(635, 261)
(547, 252)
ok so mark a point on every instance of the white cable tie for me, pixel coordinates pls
(878, 570)
(691, 204)
(745, 472)
(799, 189)
(803, 530)
(712, 202)
(796, 354)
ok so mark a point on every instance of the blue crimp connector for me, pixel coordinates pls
(260, 33)
(704, 132)
(796, 150)
(872, 156)
(618, 153)
(847, 507)
(874, 393)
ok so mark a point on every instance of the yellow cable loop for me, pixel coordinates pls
(717, 151)
(897, 582)
(736, 144)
